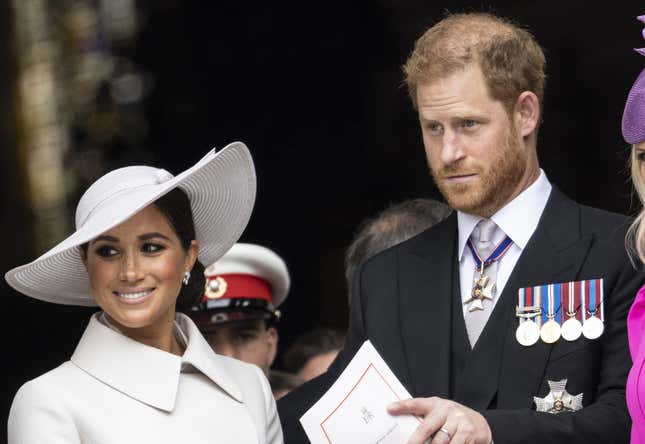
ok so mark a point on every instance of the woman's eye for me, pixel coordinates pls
(152, 248)
(106, 251)
(641, 156)
(468, 123)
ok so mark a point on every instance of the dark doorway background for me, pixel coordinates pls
(314, 89)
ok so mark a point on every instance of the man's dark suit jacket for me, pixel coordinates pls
(406, 300)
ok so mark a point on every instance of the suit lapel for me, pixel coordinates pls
(425, 293)
(554, 254)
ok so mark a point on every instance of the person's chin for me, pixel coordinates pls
(132, 316)
(466, 201)
(459, 193)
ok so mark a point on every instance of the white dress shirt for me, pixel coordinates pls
(517, 220)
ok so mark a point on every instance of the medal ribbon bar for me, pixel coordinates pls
(582, 299)
(571, 300)
(596, 306)
(553, 310)
(593, 326)
(537, 302)
(526, 308)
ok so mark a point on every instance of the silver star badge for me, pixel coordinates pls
(558, 400)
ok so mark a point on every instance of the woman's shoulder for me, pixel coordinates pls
(39, 407)
(55, 380)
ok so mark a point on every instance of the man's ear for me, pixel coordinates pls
(527, 113)
(272, 340)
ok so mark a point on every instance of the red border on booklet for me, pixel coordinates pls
(322, 424)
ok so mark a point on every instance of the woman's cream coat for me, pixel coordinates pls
(117, 390)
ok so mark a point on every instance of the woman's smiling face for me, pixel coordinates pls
(136, 270)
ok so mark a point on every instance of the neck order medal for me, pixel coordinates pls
(484, 287)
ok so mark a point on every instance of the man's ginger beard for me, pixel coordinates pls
(492, 188)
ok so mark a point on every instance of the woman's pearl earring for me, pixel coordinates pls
(186, 277)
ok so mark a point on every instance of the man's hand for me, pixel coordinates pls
(444, 421)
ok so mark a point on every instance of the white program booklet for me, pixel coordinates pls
(354, 409)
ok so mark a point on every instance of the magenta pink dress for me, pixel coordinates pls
(636, 378)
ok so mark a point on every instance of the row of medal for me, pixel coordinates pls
(566, 310)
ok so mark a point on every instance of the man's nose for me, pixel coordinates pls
(451, 149)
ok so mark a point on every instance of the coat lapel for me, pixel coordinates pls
(426, 288)
(201, 356)
(554, 254)
(145, 373)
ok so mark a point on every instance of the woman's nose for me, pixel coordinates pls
(130, 268)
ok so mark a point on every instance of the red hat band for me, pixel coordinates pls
(237, 286)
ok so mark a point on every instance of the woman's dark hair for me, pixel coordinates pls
(176, 207)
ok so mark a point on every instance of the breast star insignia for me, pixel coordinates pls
(558, 400)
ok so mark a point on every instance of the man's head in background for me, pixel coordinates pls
(311, 354)
(283, 382)
(238, 313)
(391, 226)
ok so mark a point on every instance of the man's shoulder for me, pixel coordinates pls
(569, 214)
(602, 223)
(571, 223)
(596, 216)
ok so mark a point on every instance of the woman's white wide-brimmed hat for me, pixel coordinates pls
(221, 189)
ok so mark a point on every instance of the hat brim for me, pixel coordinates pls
(221, 188)
(211, 319)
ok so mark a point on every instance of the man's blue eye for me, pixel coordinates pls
(434, 127)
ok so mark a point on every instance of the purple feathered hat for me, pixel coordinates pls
(634, 114)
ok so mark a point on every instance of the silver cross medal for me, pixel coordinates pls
(483, 289)
(558, 400)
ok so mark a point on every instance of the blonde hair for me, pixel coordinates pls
(635, 239)
(509, 57)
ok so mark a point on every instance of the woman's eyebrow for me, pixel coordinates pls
(149, 236)
(106, 238)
